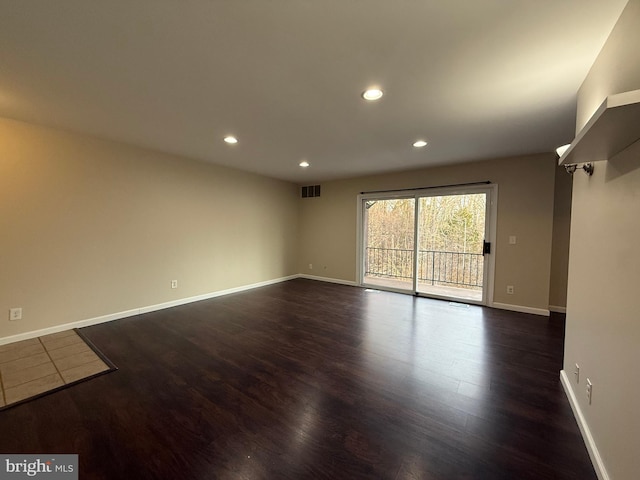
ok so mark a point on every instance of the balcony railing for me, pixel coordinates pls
(465, 270)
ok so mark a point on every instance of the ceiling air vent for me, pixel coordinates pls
(310, 191)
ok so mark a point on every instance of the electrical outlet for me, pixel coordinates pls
(589, 390)
(576, 373)
(15, 314)
(512, 239)
(174, 283)
(510, 289)
(311, 266)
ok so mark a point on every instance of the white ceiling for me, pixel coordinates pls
(476, 78)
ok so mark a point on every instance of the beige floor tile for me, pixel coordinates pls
(73, 361)
(27, 369)
(65, 333)
(25, 350)
(21, 344)
(69, 350)
(83, 371)
(14, 379)
(32, 388)
(52, 342)
(24, 363)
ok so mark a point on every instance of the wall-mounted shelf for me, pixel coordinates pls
(614, 127)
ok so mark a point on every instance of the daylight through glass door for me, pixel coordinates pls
(389, 243)
(451, 231)
(430, 243)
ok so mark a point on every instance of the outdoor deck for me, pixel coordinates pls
(427, 288)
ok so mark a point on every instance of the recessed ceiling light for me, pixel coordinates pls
(230, 139)
(304, 164)
(419, 143)
(372, 94)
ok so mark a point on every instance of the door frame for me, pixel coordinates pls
(491, 221)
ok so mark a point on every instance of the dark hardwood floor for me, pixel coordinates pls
(313, 380)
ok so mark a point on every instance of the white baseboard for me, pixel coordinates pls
(68, 326)
(501, 306)
(592, 448)
(521, 309)
(182, 301)
(219, 293)
(327, 279)
(137, 311)
(557, 309)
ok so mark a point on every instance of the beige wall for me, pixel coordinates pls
(525, 209)
(603, 323)
(92, 227)
(615, 70)
(560, 246)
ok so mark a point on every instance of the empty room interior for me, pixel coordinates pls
(255, 240)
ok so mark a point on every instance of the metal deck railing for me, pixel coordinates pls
(434, 267)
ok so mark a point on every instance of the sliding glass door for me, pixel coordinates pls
(451, 232)
(435, 242)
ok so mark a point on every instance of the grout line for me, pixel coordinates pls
(55, 365)
(59, 348)
(63, 346)
(20, 358)
(70, 354)
(51, 359)
(99, 357)
(22, 369)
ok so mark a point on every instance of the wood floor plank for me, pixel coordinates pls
(306, 379)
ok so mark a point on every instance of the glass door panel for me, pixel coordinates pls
(389, 243)
(451, 231)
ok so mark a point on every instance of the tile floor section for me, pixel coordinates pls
(38, 365)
